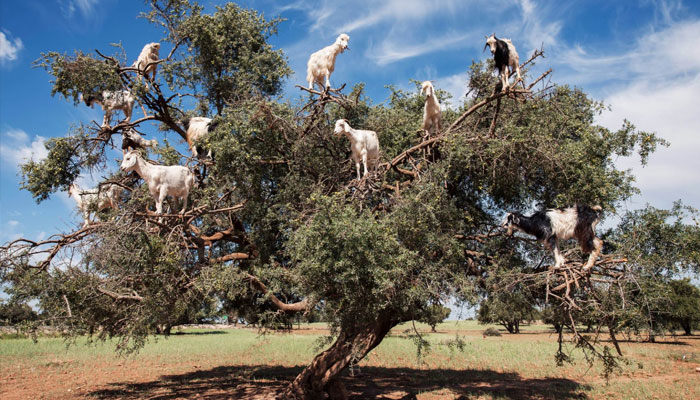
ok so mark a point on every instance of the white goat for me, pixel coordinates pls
(132, 140)
(107, 196)
(364, 145)
(111, 101)
(145, 62)
(322, 63)
(505, 57)
(162, 181)
(431, 111)
(550, 226)
(196, 128)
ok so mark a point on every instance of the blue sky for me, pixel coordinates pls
(641, 58)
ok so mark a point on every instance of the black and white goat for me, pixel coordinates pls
(506, 57)
(111, 101)
(132, 140)
(550, 226)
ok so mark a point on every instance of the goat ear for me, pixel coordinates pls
(515, 219)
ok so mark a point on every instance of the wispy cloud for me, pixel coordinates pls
(666, 11)
(16, 147)
(389, 51)
(86, 7)
(9, 48)
(534, 31)
(659, 56)
(10, 231)
(397, 10)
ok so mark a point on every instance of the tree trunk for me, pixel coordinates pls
(611, 331)
(352, 344)
(686, 327)
(557, 327)
(509, 327)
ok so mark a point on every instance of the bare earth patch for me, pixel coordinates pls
(108, 377)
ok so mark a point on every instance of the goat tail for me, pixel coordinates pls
(310, 77)
(587, 218)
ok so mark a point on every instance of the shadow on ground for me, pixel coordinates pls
(263, 382)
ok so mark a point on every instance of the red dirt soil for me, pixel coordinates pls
(139, 379)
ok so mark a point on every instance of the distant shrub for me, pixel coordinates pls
(492, 332)
(685, 357)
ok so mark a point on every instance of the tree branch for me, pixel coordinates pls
(286, 307)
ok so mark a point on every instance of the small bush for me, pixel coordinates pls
(685, 357)
(492, 332)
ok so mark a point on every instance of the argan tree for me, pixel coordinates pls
(277, 224)
(508, 309)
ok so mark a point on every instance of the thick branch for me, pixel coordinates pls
(286, 307)
(117, 296)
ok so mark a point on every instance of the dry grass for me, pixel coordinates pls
(239, 363)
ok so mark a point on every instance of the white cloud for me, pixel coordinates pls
(86, 7)
(16, 148)
(10, 232)
(670, 110)
(393, 9)
(534, 31)
(395, 50)
(666, 11)
(659, 55)
(457, 85)
(9, 48)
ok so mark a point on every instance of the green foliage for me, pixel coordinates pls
(509, 309)
(684, 302)
(662, 242)
(81, 74)
(67, 157)
(435, 314)
(12, 313)
(547, 152)
(279, 206)
(227, 53)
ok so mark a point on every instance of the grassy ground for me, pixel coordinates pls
(239, 363)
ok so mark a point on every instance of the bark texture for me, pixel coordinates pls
(320, 378)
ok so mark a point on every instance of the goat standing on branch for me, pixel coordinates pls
(131, 140)
(552, 225)
(147, 61)
(107, 196)
(322, 63)
(162, 181)
(196, 128)
(506, 57)
(364, 145)
(111, 101)
(431, 111)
